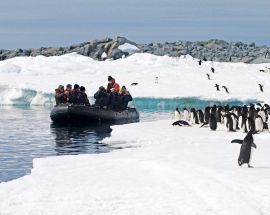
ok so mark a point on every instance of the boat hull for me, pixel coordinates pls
(88, 114)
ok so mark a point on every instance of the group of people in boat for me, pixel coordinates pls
(112, 97)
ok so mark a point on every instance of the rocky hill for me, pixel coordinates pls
(108, 48)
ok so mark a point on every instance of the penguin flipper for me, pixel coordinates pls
(254, 145)
(237, 141)
(204, 124)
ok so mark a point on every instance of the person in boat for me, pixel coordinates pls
(60, 95)
(125, 97)
(74, 97)
(114, 102)
(68, 91)
(102, 97)
(83, 99)
(112, 84)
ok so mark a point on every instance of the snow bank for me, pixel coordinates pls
(163, 169)
(177, 77)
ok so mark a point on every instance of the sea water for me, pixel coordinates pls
(26, 132)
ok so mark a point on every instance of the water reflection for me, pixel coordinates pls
(74, 139)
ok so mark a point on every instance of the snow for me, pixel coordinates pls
(127, 47)
(156, 168)
(162, 169)
(177, 77)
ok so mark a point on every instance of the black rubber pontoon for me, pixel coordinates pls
(61, 113)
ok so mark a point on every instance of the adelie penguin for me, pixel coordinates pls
(246, 148)
(208, 76)
(250, 124)
(212, 122)
(212, 70)
(181, 123)
(193, 116)
(226, 89)
(229, 122)
(217, 86)
(186, 114)
(261, 87)
(201, 116)
(177, 114)
(259, 124)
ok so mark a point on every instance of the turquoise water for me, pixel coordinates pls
(27, 132)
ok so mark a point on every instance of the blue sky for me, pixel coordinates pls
(36, 23)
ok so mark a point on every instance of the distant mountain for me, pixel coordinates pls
(115, 48)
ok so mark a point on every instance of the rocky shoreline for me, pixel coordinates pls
(108, 48)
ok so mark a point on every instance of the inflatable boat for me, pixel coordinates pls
(89, 114)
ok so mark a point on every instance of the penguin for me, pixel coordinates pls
(133, 84)
(208, 76)
(206, 114)
(262, 114)
(235, 121)
(212, 70)
(212, 122)
(259, 123)
(217, 86)
(201, 116)
(181, 123)
(200, 62)
(229, 122)
(226, 89)
(242, 124)
(219, 115)
(251, 112)
(186, 114)
(250, 124)
(193, 116)
(177, 114)
(246, 148)
(268, 123)
(261, 87)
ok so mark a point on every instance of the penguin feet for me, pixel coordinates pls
(250, 166)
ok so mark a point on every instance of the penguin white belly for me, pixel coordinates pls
(247, 126)
(177, 115)
(262, 114)
(251, 156)
(268, 124)
(259, 124)
(186, 115)
(234, 123)
(192, 118)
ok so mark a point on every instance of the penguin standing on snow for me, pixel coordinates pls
(250, 124)
(177, 114)
(212, 122)
(246, 148)
(186, 114)
(259, 125)
(242, 123)
(206, 114)
(212, 70)
(193, 116)
(217, 86)
(208, 76)
(229, 122)
(261, 87)
(201, 116)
